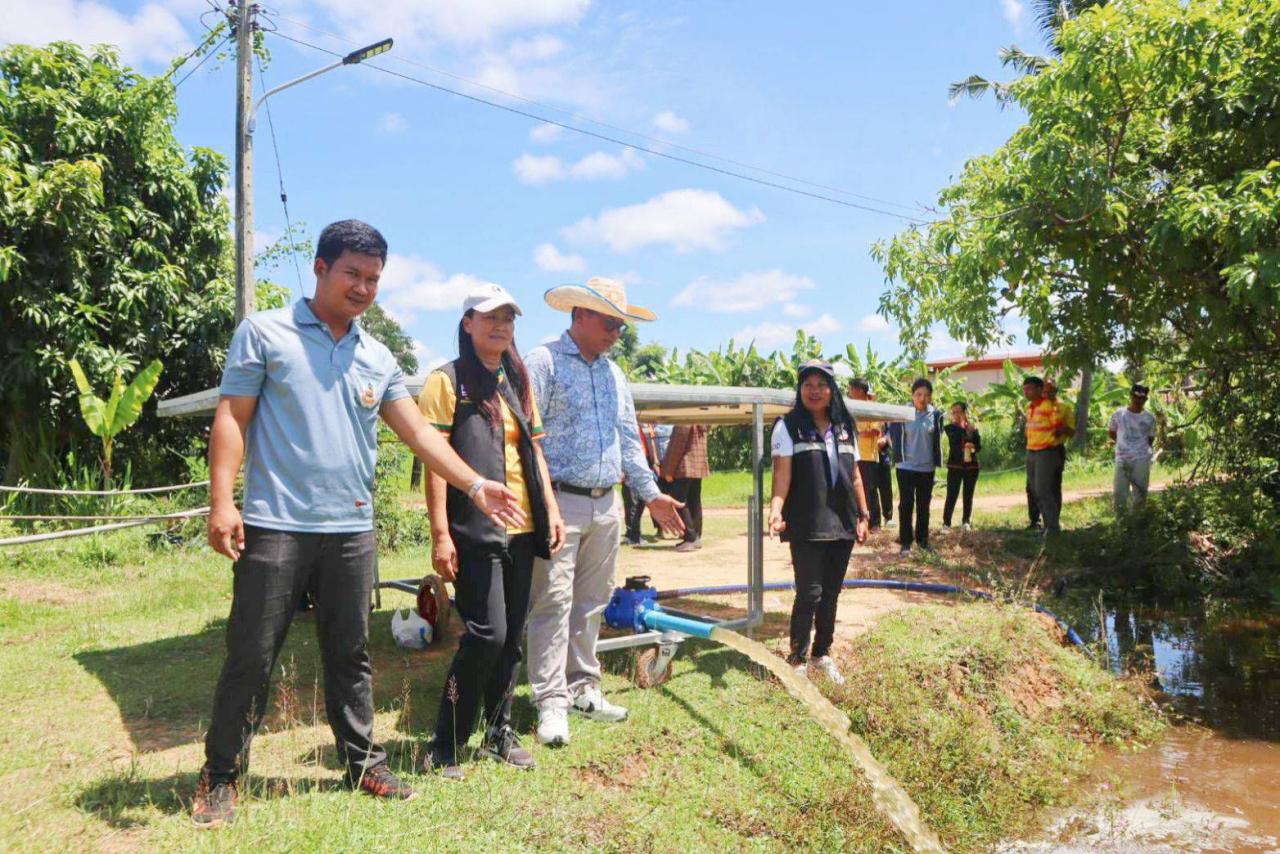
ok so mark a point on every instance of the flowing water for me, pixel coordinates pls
(1209, 785)
(889, 796)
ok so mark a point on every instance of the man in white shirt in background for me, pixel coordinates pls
(1133, 429)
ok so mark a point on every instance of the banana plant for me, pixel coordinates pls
(106, 419)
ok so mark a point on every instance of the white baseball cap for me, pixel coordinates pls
(487, 297)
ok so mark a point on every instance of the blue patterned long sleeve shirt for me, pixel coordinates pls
(589, 418)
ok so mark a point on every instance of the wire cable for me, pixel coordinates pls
(614, 140)
(202, 61)
(915, 207)
(284, 197)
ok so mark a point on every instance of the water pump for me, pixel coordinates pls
(635, 606)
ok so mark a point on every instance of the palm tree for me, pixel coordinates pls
(1050, 15)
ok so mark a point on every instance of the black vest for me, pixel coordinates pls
(815, 509)
(482, 447)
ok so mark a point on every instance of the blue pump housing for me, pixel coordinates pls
(629, 603)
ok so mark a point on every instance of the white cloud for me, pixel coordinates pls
(599, 165)
(546, 133)
(771, 334)
(551, 259)
(685, 219)
(535, 170)
(748, 292)
(1015, 14)
(418, 22)
(536, 49)
(873, 323)
(428, 359)
(411, 284)
(792, 309)
(668, 122)
(391, 124)
(538, 169)
(152, 33)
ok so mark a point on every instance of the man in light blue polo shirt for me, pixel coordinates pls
(301, 395)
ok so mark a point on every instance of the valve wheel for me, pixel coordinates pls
(646, 671)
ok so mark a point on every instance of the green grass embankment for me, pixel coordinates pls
(109, 652)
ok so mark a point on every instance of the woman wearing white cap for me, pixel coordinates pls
(484, 403)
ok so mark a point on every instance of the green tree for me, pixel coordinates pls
(114, 250)
(384, 327)
(1135, 216)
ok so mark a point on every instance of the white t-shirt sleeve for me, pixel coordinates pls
(1115, 421)
(780, 442)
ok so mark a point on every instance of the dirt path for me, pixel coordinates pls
(723, 561)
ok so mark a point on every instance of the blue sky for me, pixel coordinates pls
(849, 95)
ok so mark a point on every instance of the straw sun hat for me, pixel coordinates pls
(605, 296)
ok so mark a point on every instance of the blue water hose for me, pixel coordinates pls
(873, 583)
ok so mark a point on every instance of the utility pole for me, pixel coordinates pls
(245, 10)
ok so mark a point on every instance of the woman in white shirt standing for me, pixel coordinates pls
(819, 507)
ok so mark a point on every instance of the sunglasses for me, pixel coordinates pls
(612, 324)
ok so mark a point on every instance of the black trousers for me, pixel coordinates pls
(633, 513)
(820, 567)
(915, 491)
(869, 471)
(491, 594)
(885, 487)
(274, 570)
(689, 491)
(957, 478)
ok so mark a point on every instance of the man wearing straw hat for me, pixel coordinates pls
(591, 441)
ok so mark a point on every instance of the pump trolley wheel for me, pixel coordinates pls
(652, 666)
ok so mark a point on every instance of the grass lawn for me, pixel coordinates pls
(109, 651)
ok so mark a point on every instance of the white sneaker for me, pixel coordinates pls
(828, 667)
(801, 668)
(553, 727)
(592, 704)
(968, 527)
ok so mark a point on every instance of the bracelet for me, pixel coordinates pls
(476, 486)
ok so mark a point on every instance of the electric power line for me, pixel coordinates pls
(284, 197)
(614, 140)
(202, 61)
(585, 118)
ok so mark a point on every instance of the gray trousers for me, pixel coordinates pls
(1043, 469)
(274, 570)
(569, 594)
(1131, 474)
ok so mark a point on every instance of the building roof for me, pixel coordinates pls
(1023, 360)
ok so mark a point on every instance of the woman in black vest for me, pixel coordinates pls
(818, 506)
(963, 441)
(483, 402)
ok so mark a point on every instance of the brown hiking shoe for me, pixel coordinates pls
(215, 803)
(503, 745)
(381, 783)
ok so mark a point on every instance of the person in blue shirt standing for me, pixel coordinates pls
(301, 396)
(591, 440)
(917, 450)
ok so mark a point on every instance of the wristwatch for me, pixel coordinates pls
(475, 487)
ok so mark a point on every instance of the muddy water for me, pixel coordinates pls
(889, 796)
(1211, 784)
